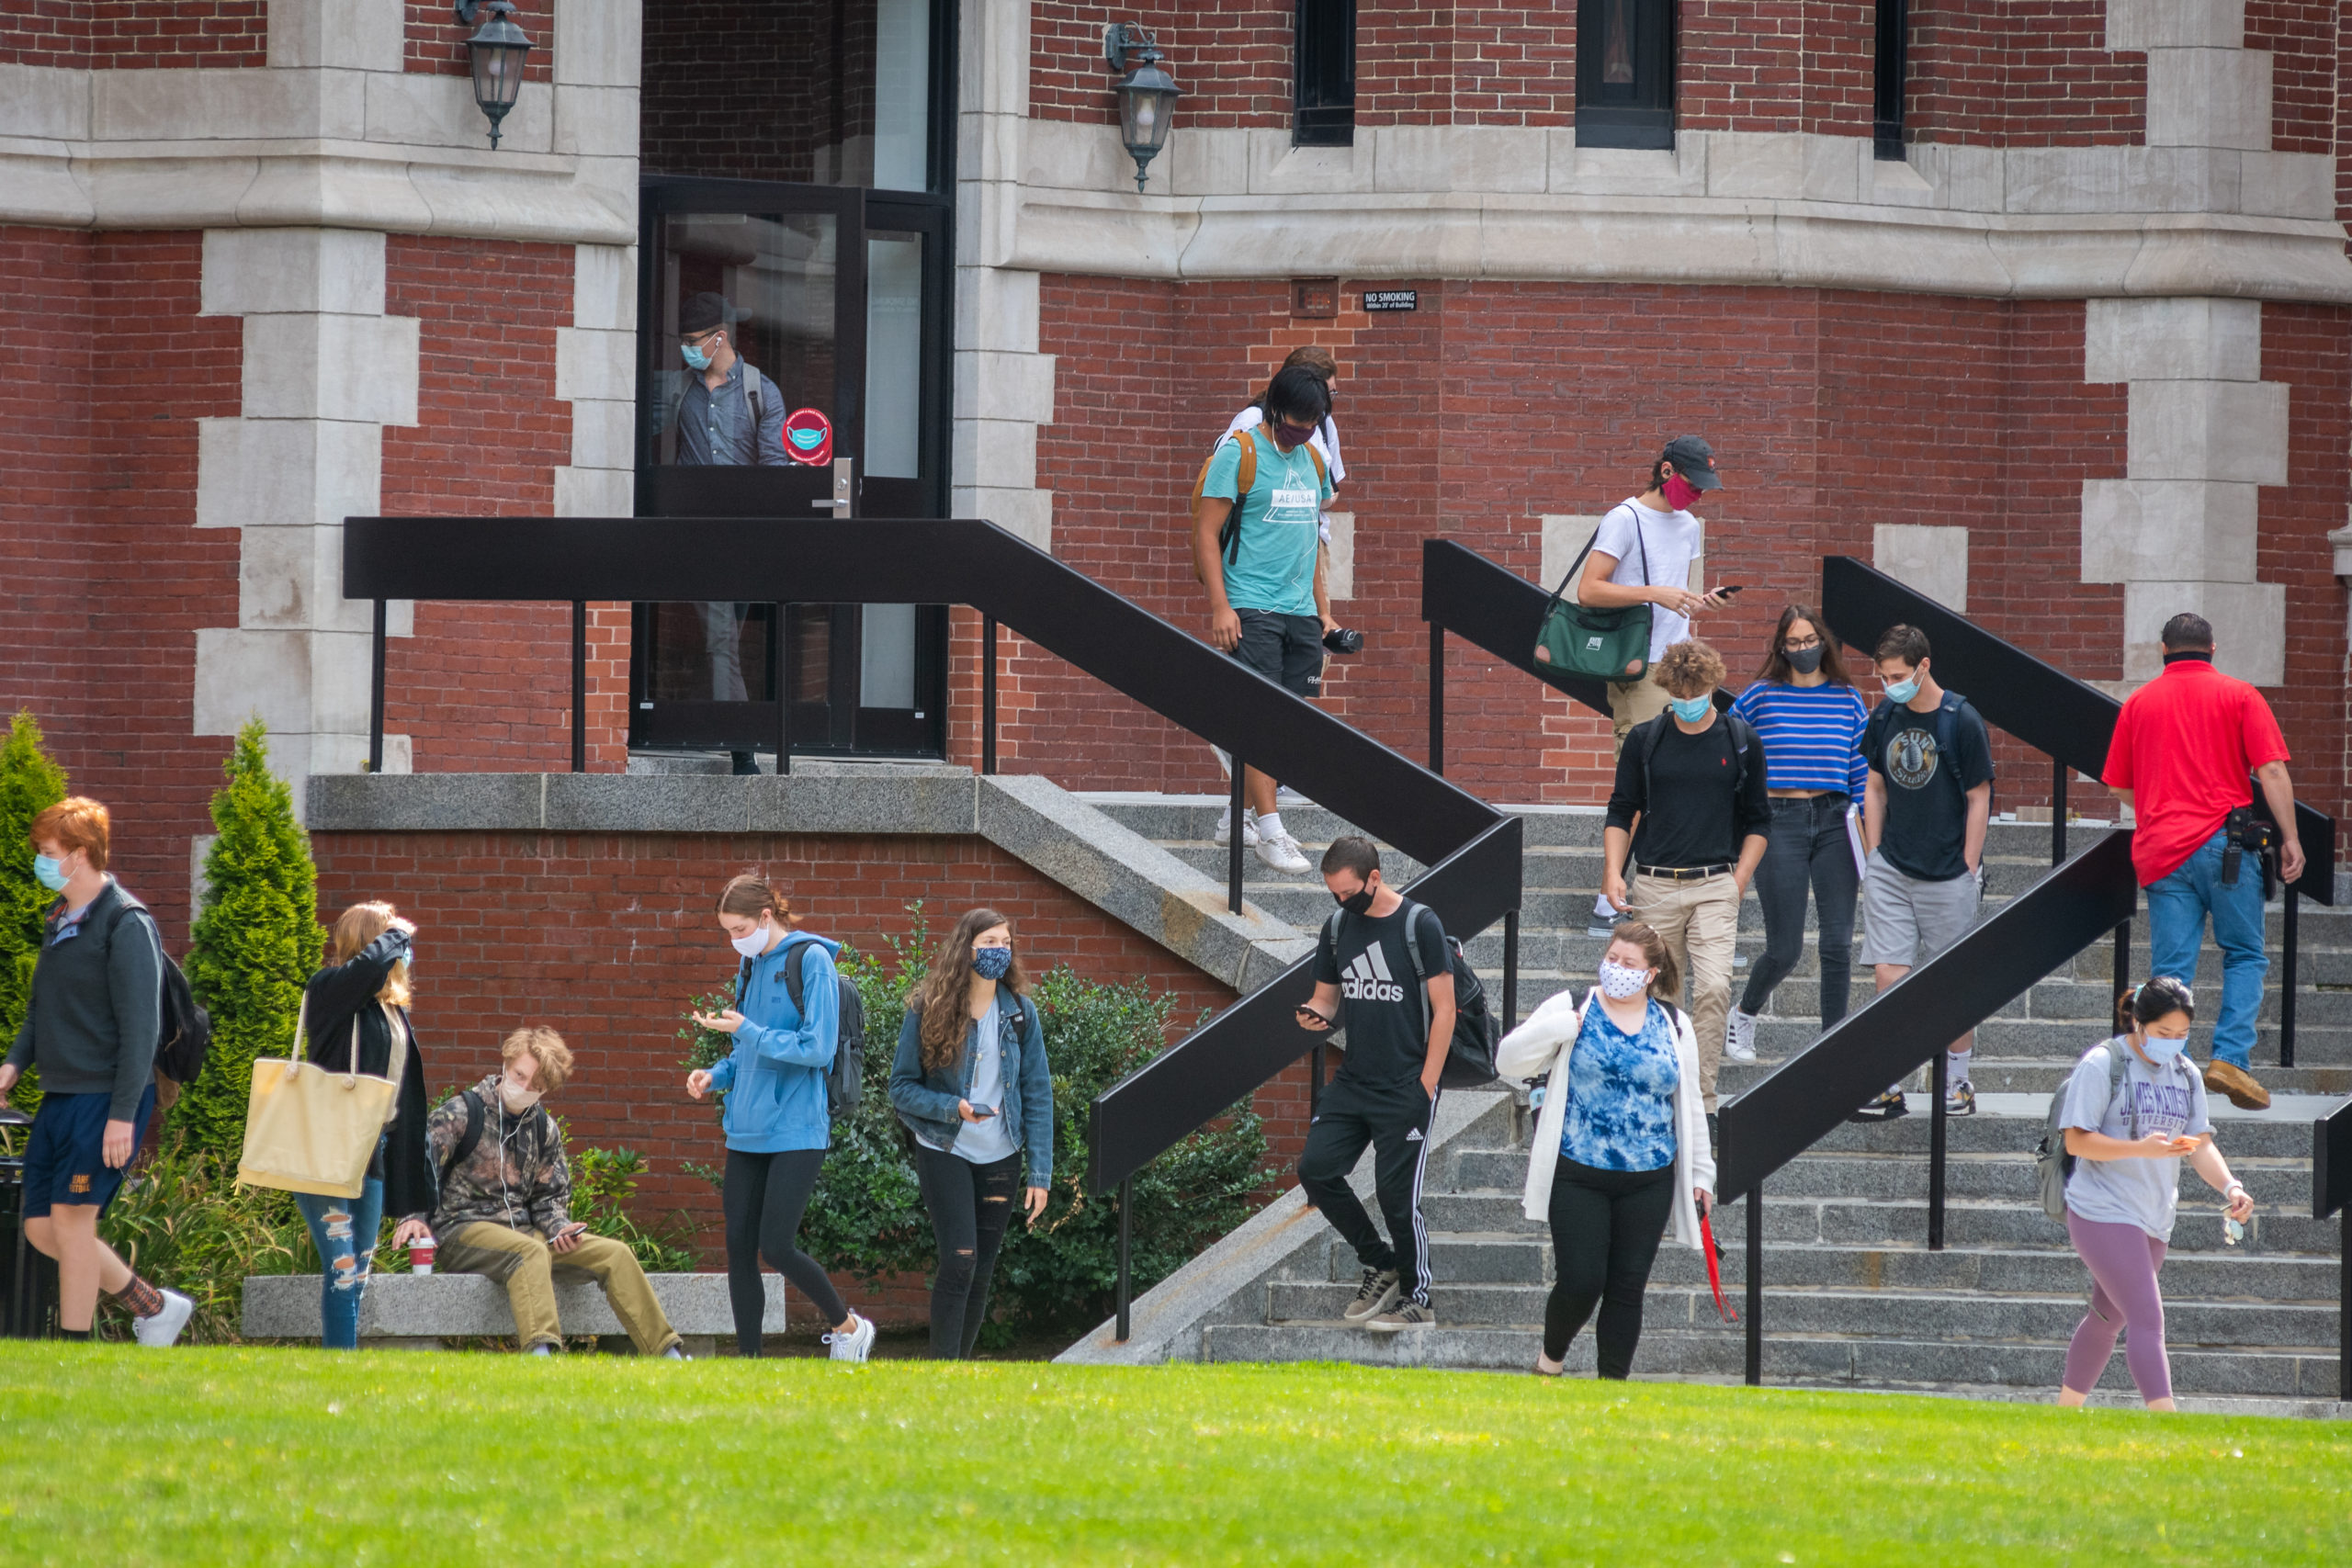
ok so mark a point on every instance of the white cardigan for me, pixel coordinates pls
(1543, 1045)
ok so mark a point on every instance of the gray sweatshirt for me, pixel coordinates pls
(96, 1005)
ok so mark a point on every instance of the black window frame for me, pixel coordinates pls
(1635, 115)
(1323, 73)
(1891, 79)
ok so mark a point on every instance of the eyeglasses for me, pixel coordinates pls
(1798, 645)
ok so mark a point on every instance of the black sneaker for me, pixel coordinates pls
(742, 764)
(1376, 1294)
(1885, 1107)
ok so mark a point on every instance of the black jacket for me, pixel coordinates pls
(335, 996)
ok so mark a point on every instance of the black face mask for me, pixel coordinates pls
(1804, 661)
(1356, 904)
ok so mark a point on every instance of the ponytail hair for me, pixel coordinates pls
(2159, 999)
(1666, 984)
(749, 893)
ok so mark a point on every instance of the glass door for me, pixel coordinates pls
(767, 311)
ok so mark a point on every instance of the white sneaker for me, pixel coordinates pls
(1739, 1037)
(1280, 851)
(852, 1346)
(1248, 826)
(159, 1331)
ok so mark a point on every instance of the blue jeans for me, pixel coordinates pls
(344, 1230)
(2178, 906)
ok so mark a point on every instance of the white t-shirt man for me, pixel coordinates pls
(1326, 440)
(1653, 549)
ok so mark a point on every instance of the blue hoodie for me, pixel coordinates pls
(774, 1081)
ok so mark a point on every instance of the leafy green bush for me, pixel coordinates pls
(257, 941)
(182, 1221)
(867, 1216)
(603, 1184)
(29, 785)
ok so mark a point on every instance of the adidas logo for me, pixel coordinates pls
(1414, 1136)
(1368, 980)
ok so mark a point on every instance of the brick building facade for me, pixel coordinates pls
(2077, 361)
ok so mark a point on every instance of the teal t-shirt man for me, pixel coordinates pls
(1274, 566)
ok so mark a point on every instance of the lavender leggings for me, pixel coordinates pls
(2123, 1260)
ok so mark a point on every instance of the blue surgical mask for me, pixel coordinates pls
(991, 962)
(2164, 1053)
(698, 357)
(1902, 691)
(49, 872)
(1690, 710)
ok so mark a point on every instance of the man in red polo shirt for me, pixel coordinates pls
(2183, 748)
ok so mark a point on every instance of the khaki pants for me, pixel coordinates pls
(1700, 921)
(527, 1266)
(1631, 701)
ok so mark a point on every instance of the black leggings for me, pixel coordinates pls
(970, 1207)
(1606, 1226)
(763, 1197)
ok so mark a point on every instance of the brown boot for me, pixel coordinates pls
(2220, 1077)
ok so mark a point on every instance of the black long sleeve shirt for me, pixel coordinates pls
(1690, 812)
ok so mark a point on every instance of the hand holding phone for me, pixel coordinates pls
(1309, 1019)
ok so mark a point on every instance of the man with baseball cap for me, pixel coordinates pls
(1641, 555)
(725, 415)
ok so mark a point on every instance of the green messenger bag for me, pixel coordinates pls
(1614, 645)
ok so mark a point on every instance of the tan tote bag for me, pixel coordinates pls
(308, 1128)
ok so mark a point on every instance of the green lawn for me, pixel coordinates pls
(111, 1456)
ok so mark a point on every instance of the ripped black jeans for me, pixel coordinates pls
(970, 1206)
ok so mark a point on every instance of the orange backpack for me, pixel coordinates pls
(1228, 537)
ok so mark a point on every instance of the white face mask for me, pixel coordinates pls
(752, 945)
(1618, 983)
(516, 1101)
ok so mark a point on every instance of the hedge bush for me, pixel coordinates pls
(255, 941)
(29, 785)
(1059, 1277)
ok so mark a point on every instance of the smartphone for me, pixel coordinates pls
(1728, 590)
(984, 1111)
(1308, 1019)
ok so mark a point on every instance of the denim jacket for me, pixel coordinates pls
(774, 1080)
(926, 1101)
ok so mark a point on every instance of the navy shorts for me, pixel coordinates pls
(65, 1158)
(1285, 650)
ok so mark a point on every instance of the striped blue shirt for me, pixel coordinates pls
(1811, 735)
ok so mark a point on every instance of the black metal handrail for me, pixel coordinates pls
(1472, 849)
(2332, 1191)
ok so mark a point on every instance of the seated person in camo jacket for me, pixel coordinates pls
(505, 1209)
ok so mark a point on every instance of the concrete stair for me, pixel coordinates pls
(1852, 1296)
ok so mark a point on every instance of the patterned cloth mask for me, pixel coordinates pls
(1618, 983)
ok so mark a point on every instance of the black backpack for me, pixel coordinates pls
(845, 1079)
(185, 1034)
(1470, 1057)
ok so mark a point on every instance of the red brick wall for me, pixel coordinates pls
(2023, 73)
(606, 937)
(134, 34)
(488, 686)
(2301, 35)
(436, 39)
(103, 577)
(1231, 57)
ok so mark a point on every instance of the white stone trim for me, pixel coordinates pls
(596, 371)
(1931, 558)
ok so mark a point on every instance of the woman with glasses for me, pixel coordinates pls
(1805, 709)
(971, 1084)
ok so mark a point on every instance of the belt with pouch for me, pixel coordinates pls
(1683, 872)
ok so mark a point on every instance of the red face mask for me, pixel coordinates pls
(1680, 492)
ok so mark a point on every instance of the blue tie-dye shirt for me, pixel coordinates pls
(1620, 1094)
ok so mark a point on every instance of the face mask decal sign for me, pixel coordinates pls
(808, 437)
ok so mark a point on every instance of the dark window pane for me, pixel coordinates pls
(1325, 47)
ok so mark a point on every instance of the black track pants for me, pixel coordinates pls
(1395, 1120)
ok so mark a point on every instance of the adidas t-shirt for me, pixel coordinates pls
(1380, 1005)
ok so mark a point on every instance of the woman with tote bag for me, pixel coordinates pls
(1620, 1142)
(355, 1012)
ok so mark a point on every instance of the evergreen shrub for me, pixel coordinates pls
(29, 785)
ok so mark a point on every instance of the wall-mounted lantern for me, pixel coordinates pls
(1147, 94)
(498, 51)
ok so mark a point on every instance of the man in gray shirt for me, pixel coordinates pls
(91, 1027)
(728, 415)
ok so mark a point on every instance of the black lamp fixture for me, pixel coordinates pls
(498, 51)
(1147, 94)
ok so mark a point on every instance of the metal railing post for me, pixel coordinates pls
(1315, 1083)
(1233, 844)
(376, 694)
(1437, 699)
(1756, 1285)
(580, 685)
(988, 693)
(2122, 965)
(1127, 1236)
(2344, 1307)
(1510, 971)
(783, 692)
(2057, 812)
(1938, 1082)
(2287, 982)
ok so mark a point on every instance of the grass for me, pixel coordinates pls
(250, 1456)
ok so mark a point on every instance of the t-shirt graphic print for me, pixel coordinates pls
(1380, 1002)
(1368, 979)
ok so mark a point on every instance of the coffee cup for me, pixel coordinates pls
(420, 1255)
